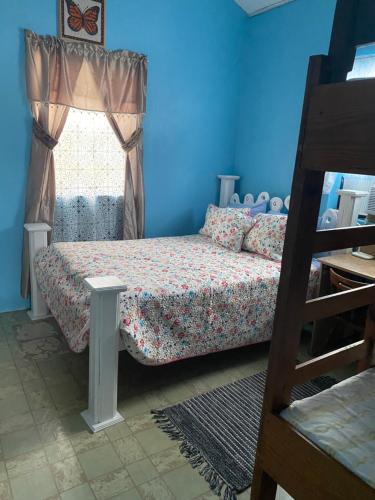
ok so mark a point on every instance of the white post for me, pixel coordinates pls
(349, 208)
(226, 188)
(37, 239)
(104, 347)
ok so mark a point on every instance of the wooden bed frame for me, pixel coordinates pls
(104, 335)
(337, 134)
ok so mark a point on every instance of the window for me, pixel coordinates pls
(90, 170)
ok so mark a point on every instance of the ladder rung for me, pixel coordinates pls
(337, 303)
(330, 361)
(347, 237)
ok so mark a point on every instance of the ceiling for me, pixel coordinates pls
(254, 7)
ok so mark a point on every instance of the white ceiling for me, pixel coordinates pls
(254, 7)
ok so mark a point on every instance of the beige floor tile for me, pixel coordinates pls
(212, 496)
(51, 431)
(43, 415)
(168, 460)
(99, 461)
(156, 399)
(5, 356)
(81, 492)
(128, 495)
(68, 473)
(28, 370)
(9, 376)
(34, 330)
(154, 440)
(5, 493)
(40, 399)
(129, 450)
(111, 484)
(185, 483)
(131, 406)
(155, 490)
(177, 392)
(85, 441)
(53, 368)
(3, 472)
(66, 394)
(14, 405)
(19, 442)
(142, 471)
(25, 463)
(118, 431)
(36, 485)
(141, 422)
(59, 450)
(16, 423)
(73, 424)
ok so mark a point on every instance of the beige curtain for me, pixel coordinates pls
(48, 123)
(59, 75)
(128, 129)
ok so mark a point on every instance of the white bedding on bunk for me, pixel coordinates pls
(341, 421)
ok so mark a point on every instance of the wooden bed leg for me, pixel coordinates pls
(104, 346)
(263, 487)
(37, 233)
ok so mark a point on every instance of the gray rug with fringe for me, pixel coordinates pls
(218, 430)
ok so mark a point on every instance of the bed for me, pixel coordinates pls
(186, 296)
(170, 298)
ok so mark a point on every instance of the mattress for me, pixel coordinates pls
(341, 421)
(186, 295)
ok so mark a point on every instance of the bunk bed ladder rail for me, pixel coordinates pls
(336, 134)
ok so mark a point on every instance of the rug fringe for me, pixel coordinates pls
(194, 457)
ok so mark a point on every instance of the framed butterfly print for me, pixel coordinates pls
(82, 20)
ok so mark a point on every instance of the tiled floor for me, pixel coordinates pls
(46, 451)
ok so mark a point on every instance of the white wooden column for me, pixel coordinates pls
(226, 188)
(104, 346)
(38, 233)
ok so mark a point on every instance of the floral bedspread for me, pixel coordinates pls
(186, 295)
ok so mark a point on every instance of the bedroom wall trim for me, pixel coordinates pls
(37, 234)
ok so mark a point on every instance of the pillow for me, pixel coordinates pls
(267, 235)
(259, 208)
(212, 217)
(231, 229)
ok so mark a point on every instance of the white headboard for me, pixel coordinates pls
(276, 204)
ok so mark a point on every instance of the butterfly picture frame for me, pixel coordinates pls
(82, 20)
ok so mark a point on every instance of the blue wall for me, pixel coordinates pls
(194, 74)
(275, 58)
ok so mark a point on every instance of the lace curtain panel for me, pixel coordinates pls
(90, 177)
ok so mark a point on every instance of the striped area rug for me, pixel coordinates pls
(218, 430)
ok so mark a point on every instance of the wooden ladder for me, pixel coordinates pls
(337, 134)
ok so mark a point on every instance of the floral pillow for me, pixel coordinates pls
(267, 235)
(213, 215)
(231, 229)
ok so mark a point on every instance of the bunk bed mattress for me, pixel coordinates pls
(341, 421)
(186, 295)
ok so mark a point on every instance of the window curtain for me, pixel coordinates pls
(130, 134)
(59, 75)
(90, 175)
